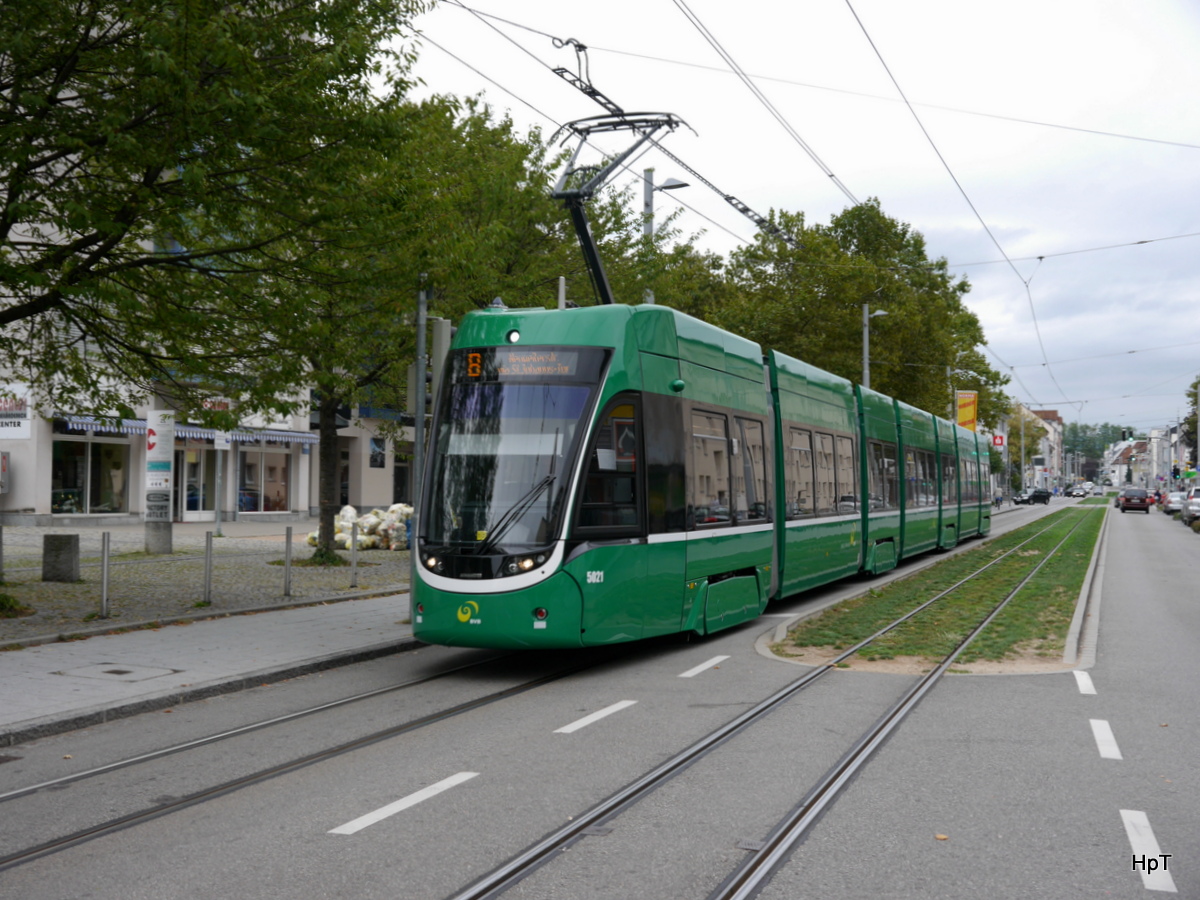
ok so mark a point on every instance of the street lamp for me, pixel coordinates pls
(867, 317)
(648, 190)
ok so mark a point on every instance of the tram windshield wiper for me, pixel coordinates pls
(514, 514)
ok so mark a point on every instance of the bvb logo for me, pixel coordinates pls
(468, 610)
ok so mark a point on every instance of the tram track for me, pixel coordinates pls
(748, 879)
(193, 798)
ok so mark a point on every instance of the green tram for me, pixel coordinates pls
(617, 472)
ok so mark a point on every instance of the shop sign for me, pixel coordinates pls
(15, 420)
(160, 456)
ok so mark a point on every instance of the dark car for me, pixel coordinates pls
(1077, 491)
(1136, 498)
(1033, 495)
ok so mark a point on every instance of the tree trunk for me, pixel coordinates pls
(328, 482)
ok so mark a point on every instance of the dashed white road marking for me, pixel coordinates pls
(1105, 741)
(1084, 680)
(411, 800)
(594, 717)
(1146, 849)
(716, 660)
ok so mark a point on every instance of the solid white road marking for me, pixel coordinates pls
(716, 660)
(1084, 680)
(594, 717)
(1145, 847)
(1105, 741)
(411, 800)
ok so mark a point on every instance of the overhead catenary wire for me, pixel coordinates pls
(762, 98)
(962, 191)
(976, 261)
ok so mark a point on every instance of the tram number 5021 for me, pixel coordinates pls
(595, 577)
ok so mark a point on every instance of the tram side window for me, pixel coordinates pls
(912, 480)
(752, 499)
(611, 497)
(709, 484)
(949, 481)
(972, 485)
(798, 475)
(885, 479)
(826, 488)
(847, 476)
(929, 477)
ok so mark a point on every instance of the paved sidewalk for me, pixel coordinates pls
(58, 687)
(174, 649)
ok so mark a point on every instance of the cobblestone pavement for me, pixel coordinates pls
(247, 574)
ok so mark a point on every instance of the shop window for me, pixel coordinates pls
(265, 481)
(89, 477)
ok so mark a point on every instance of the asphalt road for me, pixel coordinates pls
(1008, 769)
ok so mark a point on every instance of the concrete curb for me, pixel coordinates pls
(50, 725)
(1085, 644)
(122, 628)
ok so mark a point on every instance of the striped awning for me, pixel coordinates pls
(99, 423)
(183, 430)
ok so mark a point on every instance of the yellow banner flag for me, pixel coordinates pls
(968, 403)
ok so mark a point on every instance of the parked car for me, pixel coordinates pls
(1174, 502)
(1190, 510)
(1136, 498)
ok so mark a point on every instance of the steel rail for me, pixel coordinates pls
(749, 878)
(235, 732)
(22, 856)
(499, 880)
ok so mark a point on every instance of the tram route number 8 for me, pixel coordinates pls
(474, 365)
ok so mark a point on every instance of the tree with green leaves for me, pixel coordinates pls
(455, 205)
(161, 163)
(807, 301)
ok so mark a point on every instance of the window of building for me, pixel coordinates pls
(265, 480)
(89, 477)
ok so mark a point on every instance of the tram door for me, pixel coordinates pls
(630, 589)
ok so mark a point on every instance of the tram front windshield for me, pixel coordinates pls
(506, 437)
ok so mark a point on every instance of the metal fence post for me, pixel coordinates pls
(354, 555)
(287, 564)
(208, 564)
(105, 544)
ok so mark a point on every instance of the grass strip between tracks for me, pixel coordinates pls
(1034, 623)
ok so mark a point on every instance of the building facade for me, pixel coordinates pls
(84, 468)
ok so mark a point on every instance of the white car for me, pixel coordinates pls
(1190, 510)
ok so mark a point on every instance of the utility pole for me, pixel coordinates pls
(419, 410)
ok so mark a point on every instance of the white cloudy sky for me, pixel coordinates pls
(1072, 126)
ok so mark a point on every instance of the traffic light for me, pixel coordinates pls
(1174, 471)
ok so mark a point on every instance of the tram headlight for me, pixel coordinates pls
(434, 563)
(516, 565)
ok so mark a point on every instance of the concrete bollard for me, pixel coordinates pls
(60, 557)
